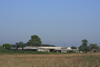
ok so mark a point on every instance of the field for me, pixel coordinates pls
(50, 60)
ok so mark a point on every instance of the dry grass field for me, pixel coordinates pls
(50, 60)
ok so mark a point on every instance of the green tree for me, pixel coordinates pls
(84, 43)
(84, 47)
(0, 47)
(20, 44)
(34, 41)
(6, 46)
(93, 46)
(99, 47)
(73, 47)
(81, 48)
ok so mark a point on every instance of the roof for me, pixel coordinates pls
(56, 48)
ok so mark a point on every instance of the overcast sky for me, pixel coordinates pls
(56, 22)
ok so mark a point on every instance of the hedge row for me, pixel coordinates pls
(29, 52)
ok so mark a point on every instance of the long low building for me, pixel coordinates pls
(49, 49)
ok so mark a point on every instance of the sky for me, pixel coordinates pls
(56, 22)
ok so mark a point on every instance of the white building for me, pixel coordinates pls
(51, 49)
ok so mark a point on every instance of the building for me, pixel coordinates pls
(47, 49)
(50, 49)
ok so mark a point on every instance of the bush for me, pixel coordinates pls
(6, 46)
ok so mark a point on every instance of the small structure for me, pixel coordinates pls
(41, 49)
(13, 48)
(30, 48)
(95, 50)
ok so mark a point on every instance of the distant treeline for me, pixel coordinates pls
(30, 52)
(25, 44)
(36, 41)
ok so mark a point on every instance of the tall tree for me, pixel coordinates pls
(84, 43)
(34, 41)
(84, 47)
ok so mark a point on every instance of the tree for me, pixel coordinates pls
(0, 47)
(84, 43)
(93, 46)
(6, 46)
(98, 47)
(84, 47)
(34, 41)
(73, 47)
(81, 48)
(20, 44)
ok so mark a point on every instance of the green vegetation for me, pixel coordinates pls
(0, 47)
(91, 61)
(31, 52)
(6, 46)
(84, 47)
(15, 58)
(73, 47)
(93, 46)
(34, 41)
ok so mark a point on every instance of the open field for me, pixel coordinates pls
(50, 60)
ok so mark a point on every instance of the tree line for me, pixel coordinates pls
(36, 41)
(86, 48)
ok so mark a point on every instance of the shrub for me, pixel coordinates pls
(6, 46)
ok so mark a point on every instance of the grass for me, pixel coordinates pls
(50, 60)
